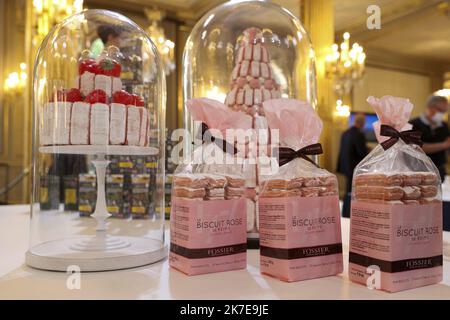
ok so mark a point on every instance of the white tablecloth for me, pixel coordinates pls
(158, 281)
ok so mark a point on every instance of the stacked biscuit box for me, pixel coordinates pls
(168, 195)
(170, 168)
(132, 179)
(140, 201)
(70, 193)
(49, 192)
(208, 212)
(299, 215)
(396, 210)
(87, 194)
(114, 196)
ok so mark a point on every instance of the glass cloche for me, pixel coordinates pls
(243, 53)
(98, 144)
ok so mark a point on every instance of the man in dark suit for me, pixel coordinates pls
(353, 149)
(435, 132)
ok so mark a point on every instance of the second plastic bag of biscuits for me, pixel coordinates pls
(299, 216)
(396, 210)
(208, 219)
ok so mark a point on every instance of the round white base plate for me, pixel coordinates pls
(57, 255)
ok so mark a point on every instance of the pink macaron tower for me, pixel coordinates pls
(252, 83)
(252, 79)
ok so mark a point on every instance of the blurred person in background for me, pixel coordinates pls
(435, 132)
(353, 149)
(108, 35)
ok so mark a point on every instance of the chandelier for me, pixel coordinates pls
(345, 65)
(165, 46)
(16, 81)
(47, 13)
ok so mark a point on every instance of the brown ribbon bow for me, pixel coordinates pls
(224, 145)
(408, 136)
(286, 155)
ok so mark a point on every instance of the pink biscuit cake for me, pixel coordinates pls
(98, 112)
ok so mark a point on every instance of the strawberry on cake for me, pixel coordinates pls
(98, 112)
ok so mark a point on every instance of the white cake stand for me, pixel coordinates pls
(101, 251)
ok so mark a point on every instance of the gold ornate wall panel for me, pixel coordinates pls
(14, 129)
(317, 17)
(379, 82)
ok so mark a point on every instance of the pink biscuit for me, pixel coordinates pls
(61, 124)
(234, 193)
(294, 193)
(275, 184)
(118, 123)
(295, 183)
(257, 52)
(99, 130)
(255, 69)
(47, 123)
(231, 97)
(248, 52)
(257, 98)
(311, 182)
(104, 83)
(379, 193)
(429, 178)
(79, 124)
(143, 131)
(275, 193)
(190, 180)
(240, 55)
(428, 191)
(378, 179)
(248, 96)
(240, 97)
(429, 200)
(116, 84)
(328, 180)
(264, 70)
(411, 179)
(235, 181)
(411, 193)
(87, 83)
(236, 71)
(311, 191)
(264, 54)
(266, 94)
(245, 65)
(328, 191)
(133, 125)
(411, 202)
(190, 193)
(215, 193)
(215, 181)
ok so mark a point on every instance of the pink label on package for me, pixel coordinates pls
(208, 236)
(300, 238)
(395, 247)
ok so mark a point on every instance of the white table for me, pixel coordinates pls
(158, 281)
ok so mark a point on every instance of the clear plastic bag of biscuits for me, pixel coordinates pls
(208, 205)
(396, 209)
(299, 216)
